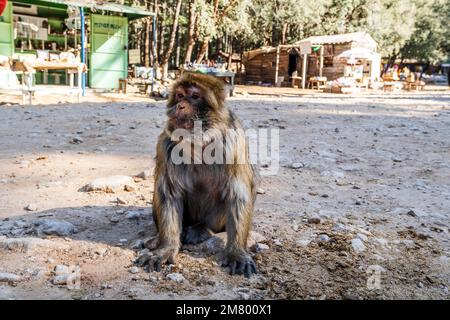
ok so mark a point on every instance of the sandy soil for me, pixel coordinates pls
(364, 216)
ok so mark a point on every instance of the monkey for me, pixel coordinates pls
(192, 201)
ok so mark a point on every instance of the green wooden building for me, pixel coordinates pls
(55, 26)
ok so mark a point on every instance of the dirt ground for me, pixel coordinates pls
(359, 209)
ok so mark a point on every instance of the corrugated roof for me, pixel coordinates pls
(92, 5)
(362, 38)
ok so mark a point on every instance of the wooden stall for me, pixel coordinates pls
(330, 57)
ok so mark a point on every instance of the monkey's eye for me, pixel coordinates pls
(180, 96)
(195, 96)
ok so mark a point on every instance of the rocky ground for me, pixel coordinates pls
(359, 208)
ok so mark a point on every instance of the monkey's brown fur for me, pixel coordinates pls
(192, 201)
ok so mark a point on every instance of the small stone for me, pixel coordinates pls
(133, 215)
(323, 238)
(297, 165)
(76, 140)
(129, 188)
(358, 245)
(55, 227)
(109, 184)
(9, 277)
(314, 220)
(145, 175)
(137, 245)
(259, 247)
(121, 201)
(123, 241)
(381, 241)
(303, 242)
(177, 277)
(277, 242)
(411, 213)
(362, 237)
(260, 191)
(31, 207)
(60, 279)
(133, 270)
(50, 261)
(114, 218)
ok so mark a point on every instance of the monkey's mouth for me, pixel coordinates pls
(181, 123)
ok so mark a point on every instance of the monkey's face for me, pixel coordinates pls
(189, 106)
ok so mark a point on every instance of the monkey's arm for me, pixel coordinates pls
(167, 214)
(239, 219)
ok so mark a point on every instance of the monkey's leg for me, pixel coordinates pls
(238, 227)
(196, 234)
(167, 212)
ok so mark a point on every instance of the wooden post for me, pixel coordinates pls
(277, 64)
(305, 59)
(321, 61)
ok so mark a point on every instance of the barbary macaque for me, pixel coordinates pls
(196, 198)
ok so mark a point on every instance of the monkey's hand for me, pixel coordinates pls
(240, 263)
(156, 259)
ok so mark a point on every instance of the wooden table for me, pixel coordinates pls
(318, 83)
(296, 78)
(71, 68)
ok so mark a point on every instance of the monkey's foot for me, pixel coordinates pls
(156, 259)
(195, 234)
(240, 263)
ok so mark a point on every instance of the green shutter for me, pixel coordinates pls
(108, 54)
(6, 32)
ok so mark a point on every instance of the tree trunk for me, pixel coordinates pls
(283, 33)
(161, 31)
(191, 32)
(168, 52)
(202, 52)
(155, 36)
(147, 43)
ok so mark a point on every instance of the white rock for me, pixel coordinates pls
(358, 245)
(259, 247)
(145, 175)
(177, 277)
(60, 279)
(109, 184)
(381, 241)
(303, 242)
(31, 207)
(133, 215)
(297, 165)
(114, 218)
(362, 237)
(138, 244)
(55, 227)
(323, 238)
(133, 270)
(9, 277)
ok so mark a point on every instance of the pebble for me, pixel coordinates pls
(303, 242)
(137, 245)
(381, 241)
(259, 247)
(177, 277)
(358, 245)
(145, 175)
(314, 220)
(9, 277)
(76, 140)
(121, 201)
(362, 237)
(129, 188)
(54, 227)
(297, 165)
(133, 215)
(123, 241)
(133, 270)
(109, 184)
(31, 207)
(114, 218)
(323, 238)
(260, 191)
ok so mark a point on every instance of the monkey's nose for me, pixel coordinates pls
(180, 106)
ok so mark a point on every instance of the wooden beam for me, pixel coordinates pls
(277, 64)
(305, 59)
(321, 61)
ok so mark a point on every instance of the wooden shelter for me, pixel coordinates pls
(328, 56)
